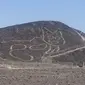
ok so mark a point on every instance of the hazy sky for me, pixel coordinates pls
(71, 12)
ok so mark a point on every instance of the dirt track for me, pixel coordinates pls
(47, 75)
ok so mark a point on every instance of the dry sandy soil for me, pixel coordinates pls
(41, 74)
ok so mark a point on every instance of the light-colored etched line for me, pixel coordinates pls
(58, 48)
(53, 50)
(41, 66)
(11, 50)
(43, 34)
(67, 52)
(20, 40)
(48, 30)
(10, 53)
(37, 46)
(46, 42)
(48, 50)
(24, 40)
(62, 37)
(47, 59)
(50, 46)
(32, 39)
(43, 38)
(55, 31)
(83, 38)
(11, 47)
(25, 47)
(31, 58)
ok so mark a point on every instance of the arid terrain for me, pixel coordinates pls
(41, 74)
(42, 53)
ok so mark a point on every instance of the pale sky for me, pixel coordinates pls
(71, 12)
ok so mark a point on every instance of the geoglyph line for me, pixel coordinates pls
(62, 38)
(58, 48)
(48, 30)
(48, 50)
(83, 38)
(38, 45)
(50, 45)
(67, 52)
(11, 50)
(10, 53)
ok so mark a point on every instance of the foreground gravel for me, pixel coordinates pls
(43, 76)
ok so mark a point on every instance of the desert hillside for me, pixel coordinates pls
(42, 41)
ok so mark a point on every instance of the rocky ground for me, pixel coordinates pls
(42, 74)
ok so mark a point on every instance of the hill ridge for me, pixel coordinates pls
(42, 41)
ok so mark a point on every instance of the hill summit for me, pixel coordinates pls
(42, 41)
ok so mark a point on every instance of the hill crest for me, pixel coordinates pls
(42, 41)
